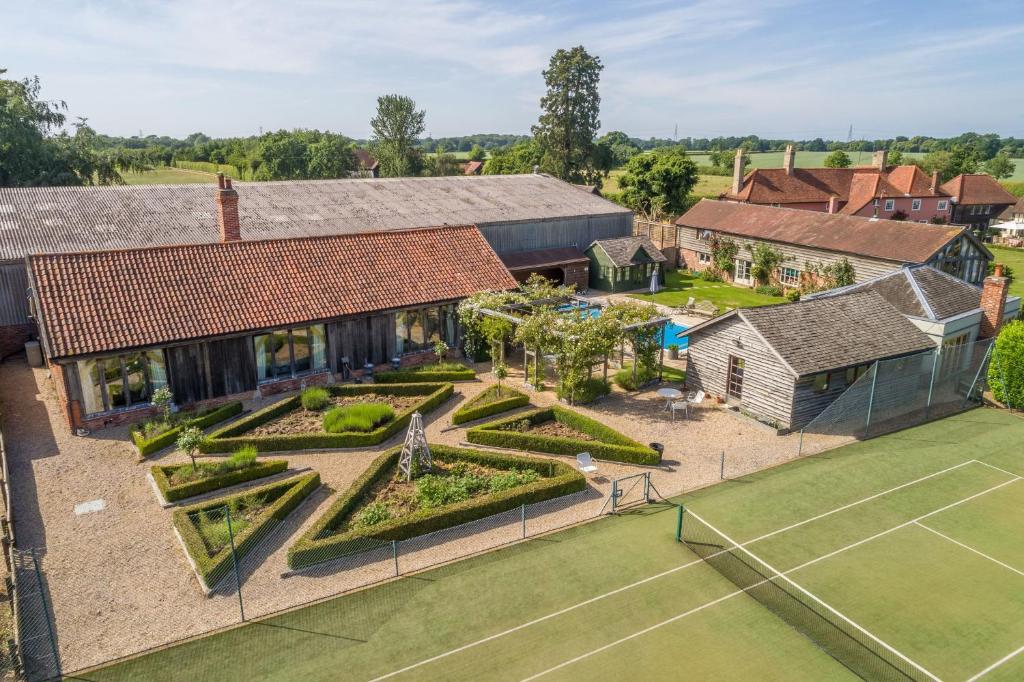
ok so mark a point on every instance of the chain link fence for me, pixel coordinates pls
(36, 634)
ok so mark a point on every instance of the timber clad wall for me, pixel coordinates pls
(767, 384)
(796, 256)
(548, 234)
(807, 404)
(13, 338)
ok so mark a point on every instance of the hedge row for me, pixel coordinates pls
(609, 443)
(232, 437)
(174, 493)
(203, 420)
(321, 543)
(472, 410)
(212, 568)
(413, 376)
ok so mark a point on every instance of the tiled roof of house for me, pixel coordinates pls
(104, 301)
(622, 250)
(1011, 211)
(366, 160)
(892, 240)
(830, 333)
(854, 186)
(977, 189)
(67, 219)
(472, 167)
(918, 291)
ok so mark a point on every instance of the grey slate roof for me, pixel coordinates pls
(830, 333)
(919, 291)
(622, 250)
(64, 219)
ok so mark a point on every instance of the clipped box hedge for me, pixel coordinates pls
(608, 444)
(232, 436)
(212, 569)
(322, 543)
(418, 375)
(174, 493)
(473, 410)
(203, 420)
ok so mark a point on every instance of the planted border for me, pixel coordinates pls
(320, 543)
(232, 436)
(174, 493)
(415, 376)
(203, 420)
(471, 411)
(609, 443)
(212, 569)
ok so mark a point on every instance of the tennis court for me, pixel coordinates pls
(911, 541)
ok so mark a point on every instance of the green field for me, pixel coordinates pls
(1015, 259)
(915, 536)
(164, 175)
(680, 286)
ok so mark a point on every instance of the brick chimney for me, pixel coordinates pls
(993, 302)
(833, 204)
(880, 159)
(737, 172)
(789, 159)
(227, 210)
(935, 182)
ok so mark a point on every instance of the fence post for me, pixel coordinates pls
(522, 514)
(800, 444)
(46, 614)
(931, 382)
(679, 523)
(615, 494)
(721, 468)
(234, 561)
(394, 555)
(871, 400)
(647, 486)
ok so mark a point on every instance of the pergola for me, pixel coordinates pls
(515, 313)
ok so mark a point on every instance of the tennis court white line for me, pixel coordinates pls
(902, 525)
(537, 620)
(995, 665)
(639, 633)
(971, 549)
(861, 501)
(993, 466)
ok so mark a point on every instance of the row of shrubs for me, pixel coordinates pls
(608, 444)
(588, 392)
(203, 420)
(473, 409)
(286, 496)
(322, 542)
(233, 436)
(231, 475)
(449, 371)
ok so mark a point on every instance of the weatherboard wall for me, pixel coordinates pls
(579, 231)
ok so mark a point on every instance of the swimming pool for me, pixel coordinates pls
(671, 329)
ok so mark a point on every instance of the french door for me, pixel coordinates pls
(742, 273)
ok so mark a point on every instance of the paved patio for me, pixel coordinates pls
(118, 577)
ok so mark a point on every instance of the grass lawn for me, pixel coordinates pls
(163, 175)
(859, 527)
(1015, 259)
(680, 285)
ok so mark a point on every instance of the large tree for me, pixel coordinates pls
(569, 118)
(1000, 166)
(837, 159)
(396, 127)
(658, 183)
(521, 157)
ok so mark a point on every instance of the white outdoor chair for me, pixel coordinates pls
(585, 463)
(695, 398)
(680, 406)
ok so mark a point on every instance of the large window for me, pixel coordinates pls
(743, 271)
(789, 276)
(736, 368)
(120, 381)
(284, 353)
(419, 329)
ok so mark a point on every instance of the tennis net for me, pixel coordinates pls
(848, 643)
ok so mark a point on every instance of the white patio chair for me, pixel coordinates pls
(585, 463)
(695, 398)
(680, 406)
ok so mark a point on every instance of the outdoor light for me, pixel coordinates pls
(396, 363)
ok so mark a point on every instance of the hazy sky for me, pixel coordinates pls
(777, 69)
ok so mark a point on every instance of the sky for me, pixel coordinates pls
(775, 68)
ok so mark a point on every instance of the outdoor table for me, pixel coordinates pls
(670, 394)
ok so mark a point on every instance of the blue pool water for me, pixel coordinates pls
(671, 329)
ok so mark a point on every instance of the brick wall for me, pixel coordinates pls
(993, 302)
(13, 338)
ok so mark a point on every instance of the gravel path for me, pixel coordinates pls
(120, 582)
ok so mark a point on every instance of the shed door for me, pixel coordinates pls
(735, 389)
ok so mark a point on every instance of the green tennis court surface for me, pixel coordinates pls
(914, 537)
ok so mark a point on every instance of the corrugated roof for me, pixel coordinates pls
(893, 240)
(542, 258)
(622, 249)
(104, 301)
(977, 189)
(68, 219)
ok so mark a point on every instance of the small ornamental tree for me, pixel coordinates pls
(440, 350)
(189, 441)
(500, 374)
(1006, 369)
(163, 398)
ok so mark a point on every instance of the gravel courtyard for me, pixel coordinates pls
(118, 577)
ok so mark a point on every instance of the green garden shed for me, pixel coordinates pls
(624, 263)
